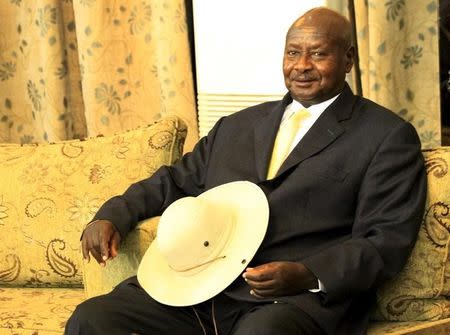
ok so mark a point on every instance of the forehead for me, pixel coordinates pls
(310, 35)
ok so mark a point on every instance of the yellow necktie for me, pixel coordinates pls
(286, 134)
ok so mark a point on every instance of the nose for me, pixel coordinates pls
(303, 63)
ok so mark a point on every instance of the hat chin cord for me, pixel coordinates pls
(223, 241)
(216, 332)
(197, 265)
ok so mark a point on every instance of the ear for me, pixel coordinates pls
(349, 58)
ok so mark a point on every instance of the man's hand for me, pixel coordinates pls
(279, 279)
(102, 240)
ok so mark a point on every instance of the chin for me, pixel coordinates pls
(304, 93)
(306, 98)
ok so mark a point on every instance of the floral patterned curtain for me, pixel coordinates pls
(399, 60)
(77, 68)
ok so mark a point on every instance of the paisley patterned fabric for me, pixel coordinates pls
(421, 291)
(415, 302)
(49, 192)
(36, 311)
(441, 327)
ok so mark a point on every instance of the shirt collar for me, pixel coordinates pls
(313, 109)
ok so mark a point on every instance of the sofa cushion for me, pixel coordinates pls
(37, 310)
(440, 327)
(49, 192)
(420, 291)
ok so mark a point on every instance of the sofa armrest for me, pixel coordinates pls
(100, 280)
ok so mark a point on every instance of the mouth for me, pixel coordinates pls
(303, 82)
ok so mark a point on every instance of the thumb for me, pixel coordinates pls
(115, 241)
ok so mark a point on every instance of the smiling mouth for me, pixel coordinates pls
(303, 82)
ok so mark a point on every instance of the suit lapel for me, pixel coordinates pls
(265, 132)
(325, 130)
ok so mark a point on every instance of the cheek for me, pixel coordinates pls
(287, 68)
(328, 72)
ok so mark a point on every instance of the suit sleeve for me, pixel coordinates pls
(389, 211)
(151, 196)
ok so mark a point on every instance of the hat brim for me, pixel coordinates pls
(173, 288)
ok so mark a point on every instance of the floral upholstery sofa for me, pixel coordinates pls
(49, 192)
(416, 302)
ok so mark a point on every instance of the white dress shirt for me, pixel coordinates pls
(314, 110)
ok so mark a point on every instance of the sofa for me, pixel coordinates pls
(50, 191)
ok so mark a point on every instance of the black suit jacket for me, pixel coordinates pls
(347, 202)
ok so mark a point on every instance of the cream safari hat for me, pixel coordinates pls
(204, 243)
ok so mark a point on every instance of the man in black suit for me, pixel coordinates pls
(345, 206)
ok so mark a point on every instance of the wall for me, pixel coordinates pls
(239, 49)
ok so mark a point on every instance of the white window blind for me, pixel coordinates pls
(239, 50)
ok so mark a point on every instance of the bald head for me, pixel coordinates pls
(318, 54)
(326, 22)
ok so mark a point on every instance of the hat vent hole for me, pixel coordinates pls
(206, 243)
(243, 261)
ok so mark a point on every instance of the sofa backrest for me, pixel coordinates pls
(49, 192)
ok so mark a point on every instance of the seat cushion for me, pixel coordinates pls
(32, 311)
(440, 327)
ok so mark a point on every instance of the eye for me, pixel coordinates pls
(318, 54)
(292, 52)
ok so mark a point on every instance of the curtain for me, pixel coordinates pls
(338, 5)
(341, 6)
(77, 68)
(399, 60)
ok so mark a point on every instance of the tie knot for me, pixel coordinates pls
(301, 115)
(297, 118)
(285, 136)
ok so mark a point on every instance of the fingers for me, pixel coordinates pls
(258, 276)
(279, 278)
(98, 257)
(252, 292)
(262, 288)
(115, 241)
(94, 244)
(264, 285)
(263, 280)
(264, 293)
(104, 245)
(259, 273)
(85, 250)
(101, 240)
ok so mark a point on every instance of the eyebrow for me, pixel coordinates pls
(310, 45)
